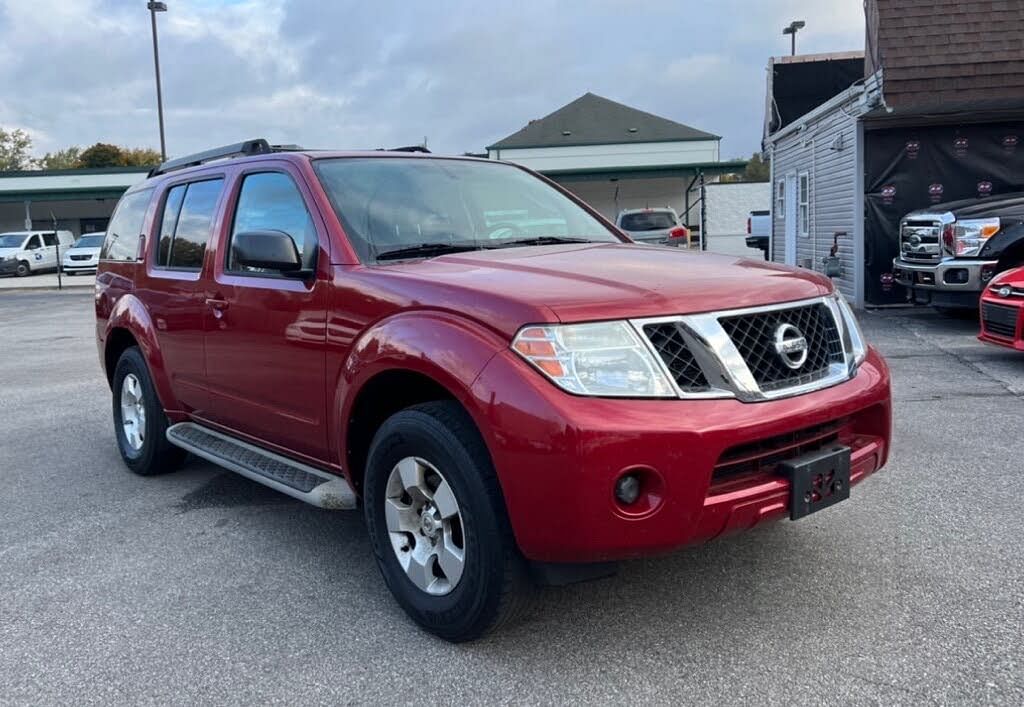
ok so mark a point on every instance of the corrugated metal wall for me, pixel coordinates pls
(827, 150)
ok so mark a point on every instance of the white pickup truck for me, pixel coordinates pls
(759, 229)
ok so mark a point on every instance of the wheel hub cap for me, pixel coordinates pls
(425, 526)
(133, 412)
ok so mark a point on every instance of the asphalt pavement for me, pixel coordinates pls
(203, 587)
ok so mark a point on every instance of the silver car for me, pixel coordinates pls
(659, 226)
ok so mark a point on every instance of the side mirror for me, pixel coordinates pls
(270, 250)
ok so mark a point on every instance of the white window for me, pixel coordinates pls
(804, 194)
(780, 198)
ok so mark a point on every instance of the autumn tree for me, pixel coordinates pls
(14, 149)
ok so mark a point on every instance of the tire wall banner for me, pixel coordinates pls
(906, 169)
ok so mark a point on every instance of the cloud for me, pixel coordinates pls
(355, 74)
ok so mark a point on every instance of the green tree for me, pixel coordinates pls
(102, 155)
(140, 157)
(14, 149)
(68, 158)
(757, 170)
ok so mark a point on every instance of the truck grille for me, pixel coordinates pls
(1000, 320)
(670, 345)
(754, 338)
(921, 241)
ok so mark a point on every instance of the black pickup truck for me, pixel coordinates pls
(949, 252)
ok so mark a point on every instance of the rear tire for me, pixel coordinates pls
(463, 598)
(140, 424)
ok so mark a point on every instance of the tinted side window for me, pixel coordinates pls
(33, 243)
(122, 242)
(270, 201)
(192, 226)
(49, 239)
(168, 222)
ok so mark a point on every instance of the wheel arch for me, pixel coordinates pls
(129, 324)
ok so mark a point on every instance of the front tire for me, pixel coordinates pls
(437, 522)
(140, 424)
(23, 269)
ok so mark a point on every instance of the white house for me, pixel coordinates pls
(616, 157)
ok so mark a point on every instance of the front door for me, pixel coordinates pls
(791, 219)
(267, 332)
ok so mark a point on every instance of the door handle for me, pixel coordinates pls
(218, 306)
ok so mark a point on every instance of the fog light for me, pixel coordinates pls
(627, 489)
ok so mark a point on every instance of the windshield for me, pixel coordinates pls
(12, 240)
(647, 221)
(391, 203)
(89, 242)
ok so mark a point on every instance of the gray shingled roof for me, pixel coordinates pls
(594, 120)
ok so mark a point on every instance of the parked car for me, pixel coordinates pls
(950, 252)
(84, 255)
(759, 229)
(656, 226)
(343, 325)
(26, 252)
(1002, 310)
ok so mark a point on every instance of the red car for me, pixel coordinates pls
(509, 387)
(1002, 310)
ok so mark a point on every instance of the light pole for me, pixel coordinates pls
(155, 7)
(793, 28)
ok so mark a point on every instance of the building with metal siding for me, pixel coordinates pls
(816, 203)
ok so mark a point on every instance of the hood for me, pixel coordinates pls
(1013, 277)
(589, 282)
(999, 205)
(4, 252)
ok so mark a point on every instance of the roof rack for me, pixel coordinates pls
(407, 148)
(238, 149)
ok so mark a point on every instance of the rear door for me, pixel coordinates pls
(267, 332)
(175, 296)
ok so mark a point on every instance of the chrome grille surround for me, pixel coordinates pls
(725, 370)
(921, 237)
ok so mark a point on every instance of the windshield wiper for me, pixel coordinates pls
(542, 240)
(426, 250)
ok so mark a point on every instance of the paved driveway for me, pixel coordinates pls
(202, 586)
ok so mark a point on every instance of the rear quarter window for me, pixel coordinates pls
(125, 228)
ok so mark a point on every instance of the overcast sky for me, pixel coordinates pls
(333, 73)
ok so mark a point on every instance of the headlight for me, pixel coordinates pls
(853, 338)
(603, 359)
(969, 236)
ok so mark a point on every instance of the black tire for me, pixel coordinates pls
(156, 455)
(68, 273)
(23, 269)
(493, 587)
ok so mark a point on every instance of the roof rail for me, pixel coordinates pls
(407, 148)
(238, 149)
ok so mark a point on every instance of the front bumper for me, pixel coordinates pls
(944, 276)
(79, 265)
(8, 267)
(558, 457)
(1002, 321)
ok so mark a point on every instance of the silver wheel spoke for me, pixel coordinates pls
(445, 501)
(400, 518)
(133, 412)
(452, 560)
(420, 571)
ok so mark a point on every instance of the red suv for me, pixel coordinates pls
(510, 388)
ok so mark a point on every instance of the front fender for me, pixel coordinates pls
(1003, 241)
(450, 350)
(129, 314)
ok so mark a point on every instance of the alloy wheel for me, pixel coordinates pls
(133, 412)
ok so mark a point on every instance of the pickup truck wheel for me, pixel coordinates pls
(140, 424)
(23, 269)
(438, 526)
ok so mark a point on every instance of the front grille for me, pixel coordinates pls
(670, 345)
(999, 319)
(920, 241)
(763, 456)
(754, 338)
(80, 257)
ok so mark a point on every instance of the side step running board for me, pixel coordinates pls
(296, 479)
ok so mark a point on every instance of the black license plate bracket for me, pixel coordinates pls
(817, 480)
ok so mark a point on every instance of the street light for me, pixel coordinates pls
(155, 7)
(793, 28)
